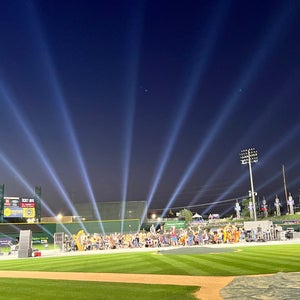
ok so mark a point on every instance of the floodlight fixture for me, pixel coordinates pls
(249, 156)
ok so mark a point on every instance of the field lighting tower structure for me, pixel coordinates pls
(249, 156)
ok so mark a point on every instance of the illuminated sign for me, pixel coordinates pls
(27, 203)
(28, 212)
(13, 212)
(16, 207)
(12, 201)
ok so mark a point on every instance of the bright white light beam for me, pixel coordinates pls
(13, 169)
(252, 68)
(200, 64)
(69, 128)
(135, 31)
(38, 149)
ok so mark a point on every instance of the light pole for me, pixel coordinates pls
(249, 156)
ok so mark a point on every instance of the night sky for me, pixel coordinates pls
(149, 100)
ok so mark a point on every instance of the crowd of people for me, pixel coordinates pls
(189, 236)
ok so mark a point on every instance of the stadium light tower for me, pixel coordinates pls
(249, 156)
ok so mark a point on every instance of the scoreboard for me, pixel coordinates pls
(18, 207)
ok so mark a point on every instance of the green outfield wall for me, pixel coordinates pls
(44, 232)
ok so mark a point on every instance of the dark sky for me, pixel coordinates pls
(149, 100)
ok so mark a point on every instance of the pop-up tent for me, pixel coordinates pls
(197, 216)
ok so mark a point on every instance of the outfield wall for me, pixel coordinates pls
(45, 231)
(112, 226)
(112, 210)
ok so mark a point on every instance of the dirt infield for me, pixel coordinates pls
(209, 287)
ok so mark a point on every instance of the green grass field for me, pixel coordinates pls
(240, 261)
(16, 289)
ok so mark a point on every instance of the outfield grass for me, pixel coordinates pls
(15, 289)
(243, 261)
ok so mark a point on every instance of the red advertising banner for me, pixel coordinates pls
(27, 203)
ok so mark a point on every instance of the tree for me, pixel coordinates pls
(245, 208)
(186, 214)
(245, 213)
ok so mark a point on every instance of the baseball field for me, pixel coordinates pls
(197, 272)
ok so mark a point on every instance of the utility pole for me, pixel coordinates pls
(249, 156)
(285, 189)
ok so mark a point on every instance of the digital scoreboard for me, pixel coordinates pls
(18, 207)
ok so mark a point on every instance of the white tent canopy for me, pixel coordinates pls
(196, 215)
